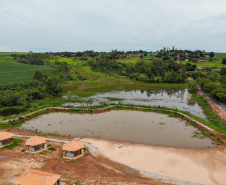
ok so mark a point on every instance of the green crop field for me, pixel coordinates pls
(12, 71)
(220, 55)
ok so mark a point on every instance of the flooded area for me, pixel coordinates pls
(171, 98)
(10, 112)
(132, 126)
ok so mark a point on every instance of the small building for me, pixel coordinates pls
(35, 144)
(5, 138)
(36, 177)
(73, 150)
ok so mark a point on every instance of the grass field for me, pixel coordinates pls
(70, 61)
(12, 71)
(205, 64)
(10, 53)
(128, 60)
(220, 55)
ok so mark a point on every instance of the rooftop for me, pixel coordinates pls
(73, 146)
(36, 177)
(5, 135)
(36, 140)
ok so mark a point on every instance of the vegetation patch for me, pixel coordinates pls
(214, 121)
(43, 152)
(52, 149)
(16, 142)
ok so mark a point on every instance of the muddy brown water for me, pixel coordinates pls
(124, 125)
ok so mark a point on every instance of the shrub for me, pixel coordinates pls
(52, 149)
(16, 142)
(224, 61)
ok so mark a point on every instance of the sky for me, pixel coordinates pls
(103, 25)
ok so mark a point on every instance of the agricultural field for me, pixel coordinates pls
(220, 55)
(12, 71)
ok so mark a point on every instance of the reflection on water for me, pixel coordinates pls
(133, 126)
(171, 98)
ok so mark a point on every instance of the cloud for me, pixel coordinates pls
(102, 25)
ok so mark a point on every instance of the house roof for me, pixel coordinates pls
(5, 135)
(36, 177)
(73, 146)
(36, 140)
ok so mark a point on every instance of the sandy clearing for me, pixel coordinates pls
(207, 166)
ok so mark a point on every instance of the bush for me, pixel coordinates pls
(78, 183)
(16, 142)
(224, 61)
(52, 149)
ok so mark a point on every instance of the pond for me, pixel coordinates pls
(11, 112)
(175, 98)
(132, 126)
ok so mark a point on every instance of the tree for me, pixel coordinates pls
(52, 87)
(211, 54)
(224, 61)
(223, 71)
(210, 86)
(38, 75)
(193, 86)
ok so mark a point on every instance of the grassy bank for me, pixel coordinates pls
(214, 121)
(116, 83)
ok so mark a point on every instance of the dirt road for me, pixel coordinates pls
(215, 106)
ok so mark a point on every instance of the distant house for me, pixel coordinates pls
(30, 52)
(187, 60)
(5, 138)
(35, 144)
(36, 177)
(73, 150)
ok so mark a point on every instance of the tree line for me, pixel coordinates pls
(212, 82)
(148, 71)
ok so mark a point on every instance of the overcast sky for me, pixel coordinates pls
(103, 25)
